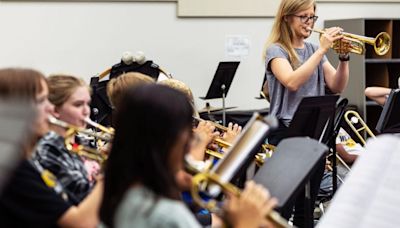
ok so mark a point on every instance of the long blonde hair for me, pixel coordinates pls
(281, 32)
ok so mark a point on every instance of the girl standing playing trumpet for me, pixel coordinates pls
(296, 68)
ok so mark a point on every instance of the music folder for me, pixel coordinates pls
(286, 172)
(369, 197)
(223, 76)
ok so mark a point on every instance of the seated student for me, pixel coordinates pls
(205, 129)
(153, 134)
(117, 86)
(28, 200)
(204, 132)
(71, 98)
(347, 148)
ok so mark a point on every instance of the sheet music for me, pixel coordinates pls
(370, 196)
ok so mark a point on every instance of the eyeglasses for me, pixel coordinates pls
(305, 19)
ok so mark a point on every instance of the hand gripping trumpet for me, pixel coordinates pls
(381, 42)
(237, 157)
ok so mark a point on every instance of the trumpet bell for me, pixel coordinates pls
(382, 43)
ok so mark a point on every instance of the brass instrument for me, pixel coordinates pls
(84, 151)
(110, 131)
(216, 125)
(208, 178)
(246, 144)
(222, 144)
(381, 42)
(266, 152)
(353, 118)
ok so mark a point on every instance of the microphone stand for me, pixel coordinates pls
(223, 87)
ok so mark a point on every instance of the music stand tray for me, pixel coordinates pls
(389, 120)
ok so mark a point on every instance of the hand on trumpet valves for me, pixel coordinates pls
(232, 132)
(328, 37)
(251, 207)
(204, 134)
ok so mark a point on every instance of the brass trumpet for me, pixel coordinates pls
(381, 42)
(202, 179)
(84, 151)
(353, 118)
(110, 131)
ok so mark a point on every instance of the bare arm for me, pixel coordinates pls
(336, 79)
(377, 94)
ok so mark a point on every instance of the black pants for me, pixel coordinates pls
(299, 202)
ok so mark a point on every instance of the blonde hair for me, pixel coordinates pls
(281, 32)
(182, 87)
(116, 87)
(61, 87)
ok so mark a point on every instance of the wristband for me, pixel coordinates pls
(344, 57)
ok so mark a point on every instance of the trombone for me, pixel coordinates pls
(381, 42)
(83, 151)
(352, 119)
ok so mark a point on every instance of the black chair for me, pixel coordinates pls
(389, 120)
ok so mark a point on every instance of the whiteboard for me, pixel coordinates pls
(227, 8)
(240, 8)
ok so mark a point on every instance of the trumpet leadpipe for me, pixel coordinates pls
(77, 129)
(216, 125)
(100, 127)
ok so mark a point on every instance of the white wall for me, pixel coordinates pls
(86, 38)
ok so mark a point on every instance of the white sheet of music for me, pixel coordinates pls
(370, 196)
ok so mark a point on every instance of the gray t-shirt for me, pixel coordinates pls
(283, 102)
(141, 208)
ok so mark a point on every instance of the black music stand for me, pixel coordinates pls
(389, 120)
(286, 172)
(340, 111)
(313, 118)
(221, 83)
